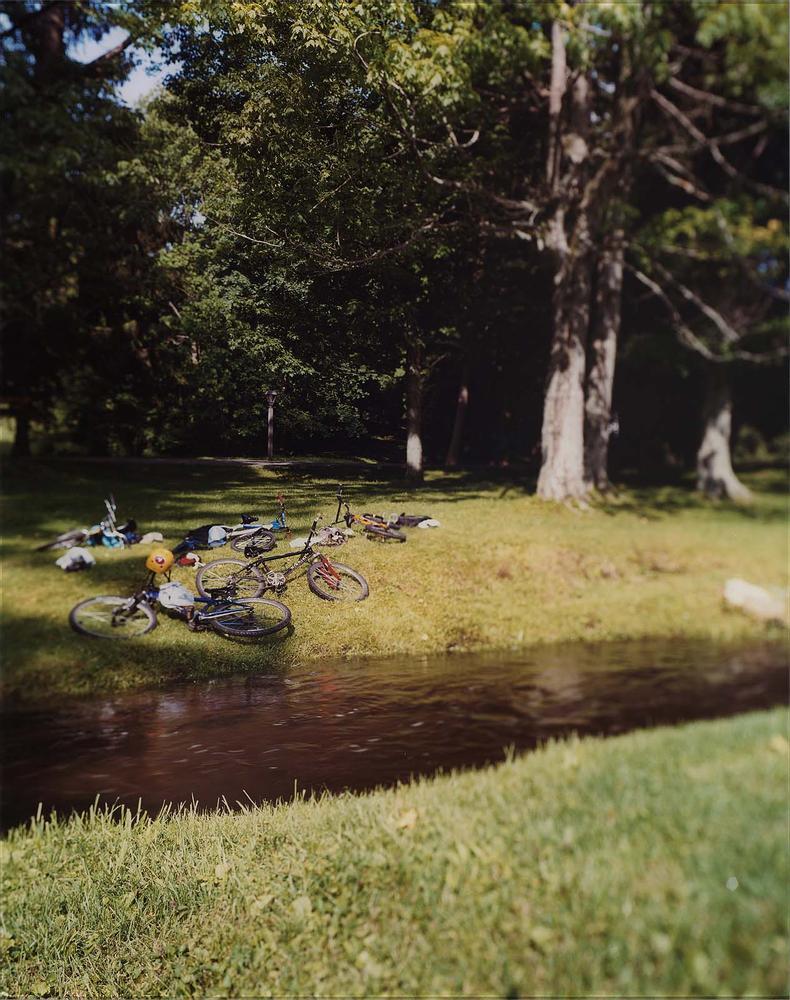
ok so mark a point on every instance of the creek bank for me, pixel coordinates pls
(338, 726)
(651, 864)
(505, 571)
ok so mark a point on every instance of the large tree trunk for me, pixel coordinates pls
(600, 379)
(562, 439)
(568, 238)
(715, 475)
(44, 35)
(21, 445)
(454, 450)
(413, 410)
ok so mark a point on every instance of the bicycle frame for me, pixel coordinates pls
(305, 556)
(216, 607)
(366, 520)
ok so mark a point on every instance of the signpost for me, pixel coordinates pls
(271, 395)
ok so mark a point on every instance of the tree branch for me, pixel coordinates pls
(672, 111)
(687, 336)
(715, 99)
(243, 236)
(728, 332)
(666, 164)
(96, 67)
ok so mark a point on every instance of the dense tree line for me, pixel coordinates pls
(444, 221)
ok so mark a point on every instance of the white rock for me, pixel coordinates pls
(756, 601)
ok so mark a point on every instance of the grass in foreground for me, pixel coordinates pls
(504, 570)
(653, 864)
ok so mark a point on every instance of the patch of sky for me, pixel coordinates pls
(147, 73)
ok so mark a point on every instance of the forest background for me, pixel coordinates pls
(450, 231)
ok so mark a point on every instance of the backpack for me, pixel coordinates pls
(411, 520)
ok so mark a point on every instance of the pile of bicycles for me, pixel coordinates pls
(230, 591)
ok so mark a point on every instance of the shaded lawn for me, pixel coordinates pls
(504, 570)
(653, 864)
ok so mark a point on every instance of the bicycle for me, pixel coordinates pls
(107, 532)
(374, 526)
(114, 617)
(264, 536)
(331, 581)
(209, 536)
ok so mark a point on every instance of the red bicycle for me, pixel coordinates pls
(329, 580)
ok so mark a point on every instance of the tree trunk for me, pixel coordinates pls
(568, 238)
(600, 379)
(21, 445)
(454, 450)
(413, 410)
(562, 439)
(45, 40)
(715, 475)
(557, 88)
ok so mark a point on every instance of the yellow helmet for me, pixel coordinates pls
(159, 560)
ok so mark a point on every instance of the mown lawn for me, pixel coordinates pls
(653, 864)
(504, 570)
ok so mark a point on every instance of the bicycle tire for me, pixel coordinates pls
(215, 574)
(279, 618)
(321, 588)
(263, 539)
(384, 533)
(100, 623)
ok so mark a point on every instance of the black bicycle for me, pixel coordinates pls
(329, 580)
(112, 617)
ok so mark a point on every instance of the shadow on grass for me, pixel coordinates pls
(654, 500)
(45, 498)
(44, 501)
(46, 659)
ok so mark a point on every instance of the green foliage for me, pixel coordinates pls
(78, 236)
(733, 254)
(325, 181)
(754, 41)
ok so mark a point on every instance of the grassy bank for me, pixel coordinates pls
(504, 570)
(652, 864)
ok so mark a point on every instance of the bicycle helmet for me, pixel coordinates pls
(159, 560)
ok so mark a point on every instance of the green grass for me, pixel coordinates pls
(504, 570)
(653, 864)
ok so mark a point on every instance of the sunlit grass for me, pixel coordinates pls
(654, 864)
(504, 570)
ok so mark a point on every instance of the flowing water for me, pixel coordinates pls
(357, 725)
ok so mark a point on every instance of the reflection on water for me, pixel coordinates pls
(362, 724)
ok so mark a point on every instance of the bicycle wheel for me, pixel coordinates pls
(234, 575)
(257, 617)
(384, 533)
(105, 618)
(263, 539)
(348, 586)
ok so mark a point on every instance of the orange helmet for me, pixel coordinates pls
(159, 560)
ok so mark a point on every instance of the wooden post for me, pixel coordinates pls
(271, 395)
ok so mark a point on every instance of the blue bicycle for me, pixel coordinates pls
(112, 617)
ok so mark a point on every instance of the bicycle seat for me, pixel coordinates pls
(248, 518)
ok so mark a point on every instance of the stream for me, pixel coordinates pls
(361, 724)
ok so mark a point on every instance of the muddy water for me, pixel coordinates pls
(358, 725)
